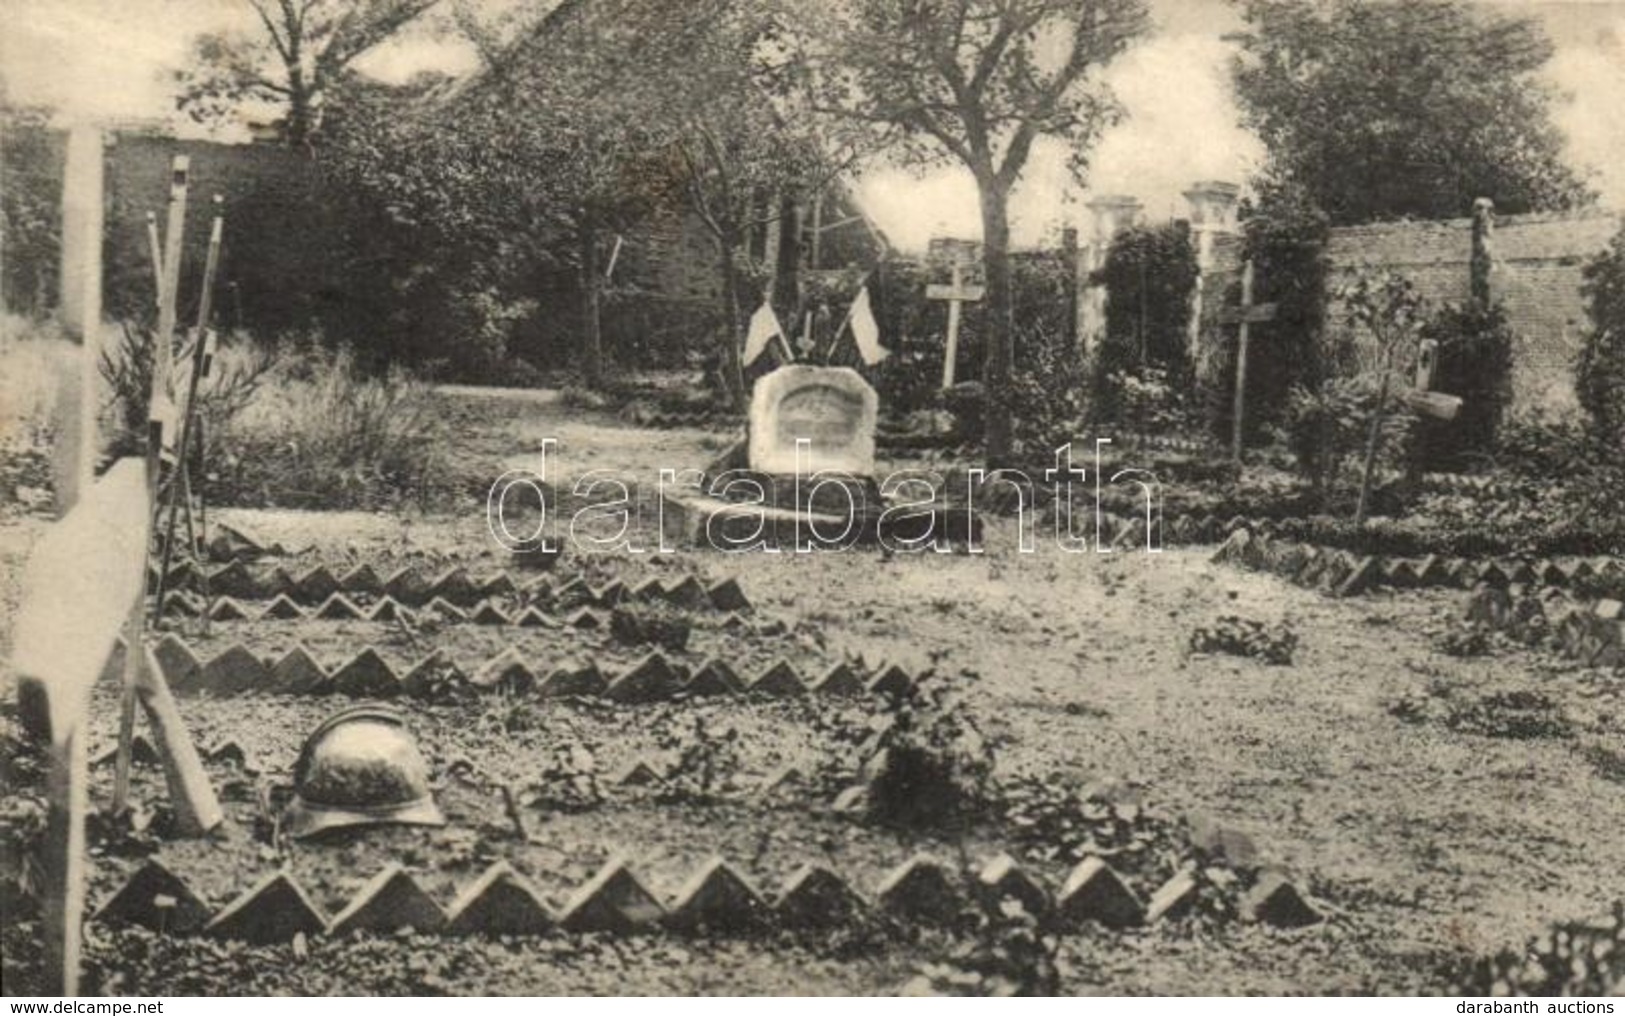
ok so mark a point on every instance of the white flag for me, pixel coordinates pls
(866, 330)
(764, 325)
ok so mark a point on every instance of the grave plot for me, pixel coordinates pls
(745, 812)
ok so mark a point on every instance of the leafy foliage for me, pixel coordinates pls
(30, 208)
(1244, 636)
(1285, 239)
(298, 51)
(1475, 365)
(977, 84)
(321, 432)
(1149, 274)
(1571, 959)
(1600, 373)
(929, 762)
(240, 368)
(1390, 109)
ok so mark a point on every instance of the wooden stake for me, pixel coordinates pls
(197, 810)
(156, 246)
(67, 790)
(174, 234)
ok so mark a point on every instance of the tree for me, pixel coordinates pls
(1390, 311)
(975, 82)
(596, 117)
(301, 48)
(30, 208)
(1600, 373)
(1383, 109)
(672, 101)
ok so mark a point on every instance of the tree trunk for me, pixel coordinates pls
(1372, 438)
(592, 283)
(733, 371)
(1000, 339)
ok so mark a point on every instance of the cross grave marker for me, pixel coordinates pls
(1244, 314)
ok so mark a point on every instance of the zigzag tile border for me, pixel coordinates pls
(412, 586)
(717, 899)
(1343, 573)
(235, 670)
(1591, 633)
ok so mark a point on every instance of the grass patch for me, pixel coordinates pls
(321, 433)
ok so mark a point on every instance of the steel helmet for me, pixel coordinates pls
(360, 767)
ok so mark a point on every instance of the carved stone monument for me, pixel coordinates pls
(813, 419)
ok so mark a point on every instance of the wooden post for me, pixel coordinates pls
(180, 485)
(73, 456)
(65, 627)
(1247, 313)
(174, 234)
(951, 356)
(197, 810)
(956, 292)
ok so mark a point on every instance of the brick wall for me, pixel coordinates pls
(284, 254)
(1537, 276)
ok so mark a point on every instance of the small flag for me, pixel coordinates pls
(764, 326)
(866, 330)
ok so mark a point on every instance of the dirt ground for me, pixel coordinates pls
(1422, 842)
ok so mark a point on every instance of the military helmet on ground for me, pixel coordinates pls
(360, 767)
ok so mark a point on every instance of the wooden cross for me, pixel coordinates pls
(1245, 314)
(957, 293)
(1422, 398)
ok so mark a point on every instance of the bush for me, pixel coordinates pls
(930, 766)
(1600, 373)
(239, 369)
(1327, 427)
(1149, 275)
(1474, 364)
(321, 433)
(1286, 241)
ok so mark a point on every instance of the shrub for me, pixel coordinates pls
(1149, 275)
(1600, 373)
(30, 208)
(931, 765)
(1327, 427)
(321, 433)
(239, 369)
(1474, 364)
(1049, 390)
(1286, 241)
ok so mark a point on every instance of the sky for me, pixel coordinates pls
(113, 59)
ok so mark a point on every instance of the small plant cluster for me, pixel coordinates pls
(656, 624)
(928, 763)
(1243, 636)
(1572, 959)
(1053, 821)
(708, 764)
(1466, 639)
(1008, 953)
(568, 783)
(1519, 714)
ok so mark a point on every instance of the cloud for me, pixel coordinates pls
(1593, 117)
(1181, 127)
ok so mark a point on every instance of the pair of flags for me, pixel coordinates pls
(860, 318)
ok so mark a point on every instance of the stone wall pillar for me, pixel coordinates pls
(1213, 214)
(1112, 213)
(1482, 262)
